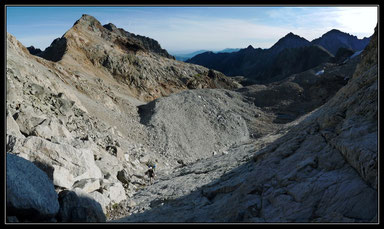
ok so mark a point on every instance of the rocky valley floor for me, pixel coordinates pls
(82, 129)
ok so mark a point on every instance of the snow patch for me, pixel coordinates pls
(320, 72)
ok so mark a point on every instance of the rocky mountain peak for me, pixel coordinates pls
(335, 39)
(290, 40)
(110, 27)
(334, 31)
(250, 47)
(33, 50)
(290, 34)
(88, 30)
(87, 20)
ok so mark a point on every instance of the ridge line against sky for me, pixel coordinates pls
(183, 29)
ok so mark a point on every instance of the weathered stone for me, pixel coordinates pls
(62, 177)
(115, 192)
(52, 129)
(27, 122)
(79, 162)
(101, 199)
(12, 126)
(87, 185)
(109, 164)
(123, 176)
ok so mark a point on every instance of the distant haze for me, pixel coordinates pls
(188, 29)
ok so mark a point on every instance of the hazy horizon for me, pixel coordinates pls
(181, 29)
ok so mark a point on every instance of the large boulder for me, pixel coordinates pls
(52, 130)
(12, 126)
(115, 192)
(88, 185)
(79, 163)
(30, 193)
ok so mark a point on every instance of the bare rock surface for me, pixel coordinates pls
(104, 104)
(197, 124)
(311, 173)
(75, 116)
(134, 61)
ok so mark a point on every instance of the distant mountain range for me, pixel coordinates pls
(186, 56)
(335, 39)
(290, 54)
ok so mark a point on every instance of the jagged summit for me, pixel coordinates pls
(33, 50)
(89, 31)
(291, 34)
(87, 19)
(334, 31)
(134, 60)
(290, 40)
(335, 39)
(111, 27)
(259, 65)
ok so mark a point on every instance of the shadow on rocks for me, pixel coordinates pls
(47, 168)
(75, 206)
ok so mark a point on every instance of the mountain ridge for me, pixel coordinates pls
(184, 57)
(255, 64)
(335, 39)
(136, 61)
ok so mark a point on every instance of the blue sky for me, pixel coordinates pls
(185, 29)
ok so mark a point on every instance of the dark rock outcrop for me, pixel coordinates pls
(33, 50)
(146, 42)
(342, 54)
(76, 206)
(30, 194)
(55, 51)
(293, 60)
